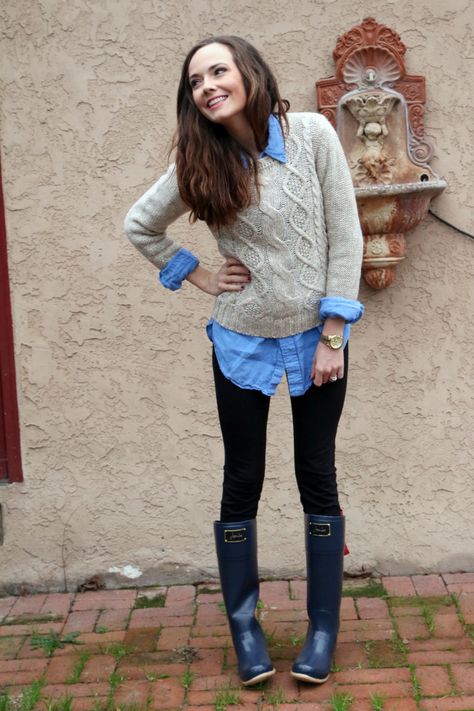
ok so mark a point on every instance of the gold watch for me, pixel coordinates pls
(335, 342)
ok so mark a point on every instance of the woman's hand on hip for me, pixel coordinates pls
(232, 276)
(328, 365)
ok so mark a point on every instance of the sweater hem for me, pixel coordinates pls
(269, 327)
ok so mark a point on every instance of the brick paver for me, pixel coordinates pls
(132, 693)
(98, 668)
(460, 588)
(447, 624)
(172, 637)
(28, 605)
(399, 586)
(412, 627)
(113, 619)
(105, 599)
(434, 681)
(440, 643)
(466, 602)
(179, 656)
(397, 689)
(370, 608)
(348, 609)
(94, 640)
(458, 578)
(180, 595)
(429, 585)
(440, 657)
(153, 617)
(167, 694)
(59, 670)
(83, 621)
(448, 703)
(58, 691)
(463, 675)
(57, 604)
(6, 604)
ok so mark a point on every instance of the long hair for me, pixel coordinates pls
(213, 179)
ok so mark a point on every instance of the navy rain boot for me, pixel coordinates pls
(324, 563)
(236, 547)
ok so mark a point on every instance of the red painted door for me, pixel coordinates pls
(3, 444)
(10, 462)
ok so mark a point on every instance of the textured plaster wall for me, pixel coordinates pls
(120, 443)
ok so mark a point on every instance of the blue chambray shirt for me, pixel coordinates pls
(259, 363)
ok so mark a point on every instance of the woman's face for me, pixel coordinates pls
(216, 84)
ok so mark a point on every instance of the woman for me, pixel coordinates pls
(275, 190)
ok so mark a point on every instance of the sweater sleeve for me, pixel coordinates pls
(340, 212)
(148, 219)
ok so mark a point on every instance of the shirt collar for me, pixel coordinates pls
(275, 147)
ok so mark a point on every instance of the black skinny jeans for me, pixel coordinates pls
(243, 416)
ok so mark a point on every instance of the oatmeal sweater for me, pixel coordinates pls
(301, 242)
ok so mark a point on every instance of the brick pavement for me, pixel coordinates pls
(409, 648)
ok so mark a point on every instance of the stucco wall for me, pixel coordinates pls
(120, 443)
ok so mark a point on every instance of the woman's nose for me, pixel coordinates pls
(208, 84)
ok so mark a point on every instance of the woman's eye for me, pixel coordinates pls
(220, 69)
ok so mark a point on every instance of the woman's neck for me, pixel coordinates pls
(241, 130)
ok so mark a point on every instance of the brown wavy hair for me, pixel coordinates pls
(212, 178)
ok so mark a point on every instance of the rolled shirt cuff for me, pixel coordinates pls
(177, 269)
(338, 307)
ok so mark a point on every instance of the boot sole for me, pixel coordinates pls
(260, 677)
(308, 679)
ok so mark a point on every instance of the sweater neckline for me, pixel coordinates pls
(266, 162)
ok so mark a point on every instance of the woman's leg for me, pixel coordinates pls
(316, 416)
(315, 419)
(243, 416)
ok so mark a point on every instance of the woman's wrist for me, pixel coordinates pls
(203, 279)
(334, 326)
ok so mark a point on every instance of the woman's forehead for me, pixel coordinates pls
(209, 55)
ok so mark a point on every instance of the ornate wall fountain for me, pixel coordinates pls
(377, 109)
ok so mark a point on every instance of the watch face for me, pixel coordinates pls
(336, 341)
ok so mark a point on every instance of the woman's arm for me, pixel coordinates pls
(345, 248)
(148, 219)
(344, 234)
(146, 226)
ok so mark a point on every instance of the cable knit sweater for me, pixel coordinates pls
(301, 242)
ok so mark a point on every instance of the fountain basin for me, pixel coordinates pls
(386, 213)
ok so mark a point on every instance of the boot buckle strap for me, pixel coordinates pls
(319, 529)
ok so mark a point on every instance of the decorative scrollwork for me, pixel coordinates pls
(330, 114)
(421, 150)
(368, 33)
(417, 113)
(391, 39)
(411, 90)
(353, 38)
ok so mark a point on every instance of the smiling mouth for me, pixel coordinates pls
(216, 101)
